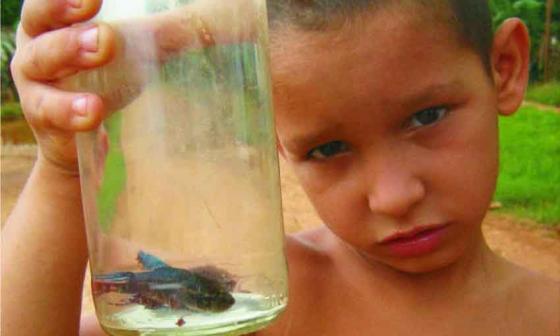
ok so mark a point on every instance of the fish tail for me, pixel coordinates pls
(122, 282)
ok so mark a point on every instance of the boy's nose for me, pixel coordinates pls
(393, 189)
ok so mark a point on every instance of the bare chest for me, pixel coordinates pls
(354, 315)
(422, 324)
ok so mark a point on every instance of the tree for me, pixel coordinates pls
(10, 17)
(10, 12)
(547, 40)
(9, 91)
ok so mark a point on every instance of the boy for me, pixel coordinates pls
(387, 111)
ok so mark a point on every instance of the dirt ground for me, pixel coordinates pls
(518, 240)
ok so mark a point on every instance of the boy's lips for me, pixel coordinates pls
(415, 242)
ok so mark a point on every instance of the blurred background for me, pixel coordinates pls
(523, 223)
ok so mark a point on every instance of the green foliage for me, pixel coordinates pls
(10, 12)
(529, 182)
(11, 111)
(10, 17)
(548, 93)
(8, 48)
(527, 9)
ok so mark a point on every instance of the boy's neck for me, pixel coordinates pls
(468, 277)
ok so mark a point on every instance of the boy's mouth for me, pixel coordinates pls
(415, 242)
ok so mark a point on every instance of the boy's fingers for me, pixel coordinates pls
(60, 53)
(47, 108)
(38, 16)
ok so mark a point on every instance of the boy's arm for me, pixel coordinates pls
(44, 256)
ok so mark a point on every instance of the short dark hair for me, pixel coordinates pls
(471, 19)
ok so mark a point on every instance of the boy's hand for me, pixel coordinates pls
(52, 44)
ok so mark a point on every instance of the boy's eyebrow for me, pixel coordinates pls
(311, 138)
(430, 92)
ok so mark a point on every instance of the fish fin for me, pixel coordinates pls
(114, 277)
(150, 262)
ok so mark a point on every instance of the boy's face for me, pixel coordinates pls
(391, 126)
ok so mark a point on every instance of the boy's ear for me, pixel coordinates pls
(510, 64)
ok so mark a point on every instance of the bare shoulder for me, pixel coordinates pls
(308, 242)
(543, 296)
(538, 299)
(309, 260)
(309, 266)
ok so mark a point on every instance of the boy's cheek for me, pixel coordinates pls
(469, 183)
(329, 195)
(320, 180)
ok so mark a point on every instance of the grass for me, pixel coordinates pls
(114, 177)
(548, 93)
(529, 182)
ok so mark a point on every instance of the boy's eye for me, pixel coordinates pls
(428, 116)
(327, 150)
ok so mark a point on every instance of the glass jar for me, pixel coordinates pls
(180, 183)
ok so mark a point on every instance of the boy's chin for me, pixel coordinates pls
(422, 265)
(421, 268)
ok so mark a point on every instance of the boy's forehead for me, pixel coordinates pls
(383, 50)
(383, 28)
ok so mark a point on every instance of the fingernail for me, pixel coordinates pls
(75, 3)
(88, 39)
(79, 105)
